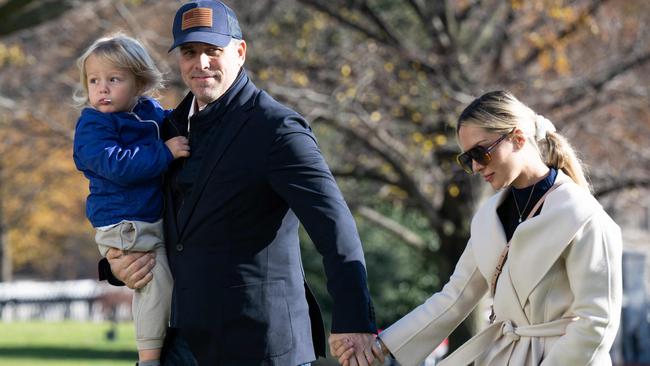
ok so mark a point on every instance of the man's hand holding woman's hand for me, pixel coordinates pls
(356, 349)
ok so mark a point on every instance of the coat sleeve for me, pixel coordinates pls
(412, 338)
(594, 270)
(97, 148)
(298, 172)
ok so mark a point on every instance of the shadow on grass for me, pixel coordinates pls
(66, 353)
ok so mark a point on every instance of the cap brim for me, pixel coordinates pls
(215, 39)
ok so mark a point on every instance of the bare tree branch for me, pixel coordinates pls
(425, 19)
(621, 184)
(365, 174)
(336, 15)
(447, 79)
(381, 24)
(489, 30)
(402, 232)
(465, 14)
(584, 87)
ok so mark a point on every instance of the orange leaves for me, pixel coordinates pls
(550, 27)
(566, 14)
(42, 193)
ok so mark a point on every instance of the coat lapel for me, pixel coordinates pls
(219, 143)
(488, 237)
(540, 241)
(537, 242)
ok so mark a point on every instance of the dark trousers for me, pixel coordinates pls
(176, 352)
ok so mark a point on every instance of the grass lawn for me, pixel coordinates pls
(66, 343)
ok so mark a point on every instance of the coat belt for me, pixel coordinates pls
(481, 342)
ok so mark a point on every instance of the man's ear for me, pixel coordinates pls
(241, 51)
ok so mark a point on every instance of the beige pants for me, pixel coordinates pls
(151, 304)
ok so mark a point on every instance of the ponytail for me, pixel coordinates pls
(558, 152)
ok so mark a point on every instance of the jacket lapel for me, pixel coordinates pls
(171, 128)
(219, 142)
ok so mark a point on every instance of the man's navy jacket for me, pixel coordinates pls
(240, 296)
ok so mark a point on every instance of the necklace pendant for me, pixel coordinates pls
(520, 219)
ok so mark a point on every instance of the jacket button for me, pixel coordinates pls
(179, 247)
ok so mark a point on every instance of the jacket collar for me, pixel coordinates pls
(240, 101)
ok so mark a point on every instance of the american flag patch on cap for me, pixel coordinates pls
(197, 17)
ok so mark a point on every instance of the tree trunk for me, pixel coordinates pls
(5, 256)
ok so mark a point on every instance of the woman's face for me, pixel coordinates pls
(504, 166)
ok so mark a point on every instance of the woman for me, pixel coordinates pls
(542, 246)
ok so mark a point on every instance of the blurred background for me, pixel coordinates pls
(382, 82)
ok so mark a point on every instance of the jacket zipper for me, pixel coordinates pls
(148, 121)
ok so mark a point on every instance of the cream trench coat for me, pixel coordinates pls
(558, 299)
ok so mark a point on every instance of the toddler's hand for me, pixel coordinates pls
(179, 146)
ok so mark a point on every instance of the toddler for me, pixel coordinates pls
(118, 148)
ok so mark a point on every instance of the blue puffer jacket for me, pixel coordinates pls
(124, 158)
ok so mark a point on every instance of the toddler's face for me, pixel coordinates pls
(110, 88)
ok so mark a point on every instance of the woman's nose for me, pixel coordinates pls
(476, 167)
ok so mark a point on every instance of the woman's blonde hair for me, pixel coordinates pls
(123, 52)
(500, 112)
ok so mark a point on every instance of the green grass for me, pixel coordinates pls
(66, 343)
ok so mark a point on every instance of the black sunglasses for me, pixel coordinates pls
(479, 154)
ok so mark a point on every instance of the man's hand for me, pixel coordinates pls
(352, 349)
(134, 269)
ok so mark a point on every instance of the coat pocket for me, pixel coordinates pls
(257, 321)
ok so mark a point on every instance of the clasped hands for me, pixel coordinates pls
(356, 349)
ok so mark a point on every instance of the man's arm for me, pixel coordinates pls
(299, 173)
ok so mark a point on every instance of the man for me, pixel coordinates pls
(232, 211)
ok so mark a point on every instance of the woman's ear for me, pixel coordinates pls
(518, 138)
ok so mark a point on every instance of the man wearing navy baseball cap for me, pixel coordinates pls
(232, 211)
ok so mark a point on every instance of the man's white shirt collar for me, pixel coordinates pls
(194, 109)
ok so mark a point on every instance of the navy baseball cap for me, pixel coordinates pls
(206, 21)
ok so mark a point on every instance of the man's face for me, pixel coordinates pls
(210, 70)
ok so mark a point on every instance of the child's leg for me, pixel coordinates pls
(151, 308)
(151, 304)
